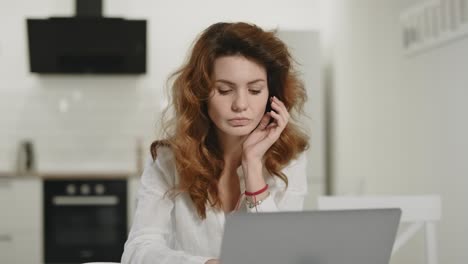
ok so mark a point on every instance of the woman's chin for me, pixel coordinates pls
(239, 131)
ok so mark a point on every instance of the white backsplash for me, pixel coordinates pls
(84, 123)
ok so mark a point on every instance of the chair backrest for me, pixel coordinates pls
(418, 211)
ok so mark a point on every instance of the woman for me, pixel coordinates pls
(232, 147)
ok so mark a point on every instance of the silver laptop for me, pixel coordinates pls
(310, 237)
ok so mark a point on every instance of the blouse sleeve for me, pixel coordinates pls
(148, 240)
(290, 198)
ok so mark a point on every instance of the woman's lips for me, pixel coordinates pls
(239, 121)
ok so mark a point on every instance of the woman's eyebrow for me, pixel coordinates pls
(256, 81)
(226, 82)
(233, 84)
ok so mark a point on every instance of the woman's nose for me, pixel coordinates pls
(240, 103)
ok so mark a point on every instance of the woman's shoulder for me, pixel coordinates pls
(298, 163)
(295, 171)
(161, 161)
(162, 154)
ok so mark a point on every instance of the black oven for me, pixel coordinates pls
(84, 220)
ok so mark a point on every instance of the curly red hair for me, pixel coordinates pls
(191, 134)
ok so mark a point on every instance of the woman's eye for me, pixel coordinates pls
(224, 91)
(255, 91)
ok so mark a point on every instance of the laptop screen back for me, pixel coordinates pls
(310, 237)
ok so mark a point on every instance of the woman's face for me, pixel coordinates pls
(238, 100)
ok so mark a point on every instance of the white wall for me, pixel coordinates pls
(400, 122)
(106, 113)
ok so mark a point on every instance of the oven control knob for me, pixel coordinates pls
(99, 189)
(70, 189)
(85, 189)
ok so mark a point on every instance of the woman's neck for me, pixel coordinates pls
(232, 151)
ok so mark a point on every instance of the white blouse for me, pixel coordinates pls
(169, 231)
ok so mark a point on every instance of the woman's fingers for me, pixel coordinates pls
(283, 107)
(278, 118)
(264, 122)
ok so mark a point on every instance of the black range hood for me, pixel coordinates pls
(87, 43)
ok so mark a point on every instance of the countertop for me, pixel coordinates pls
(73, 175)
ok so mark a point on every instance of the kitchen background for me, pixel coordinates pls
(385, 122)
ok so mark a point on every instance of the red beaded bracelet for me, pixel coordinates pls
(257, 192)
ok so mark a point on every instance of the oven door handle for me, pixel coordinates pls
(84, 200)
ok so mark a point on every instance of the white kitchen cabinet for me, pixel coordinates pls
(20, 246)
(21, 220)
(6, 247)
(21, 203)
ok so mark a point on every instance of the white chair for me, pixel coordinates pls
(101, 263)
(417, 211)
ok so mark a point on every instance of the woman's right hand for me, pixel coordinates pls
(213, 261)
